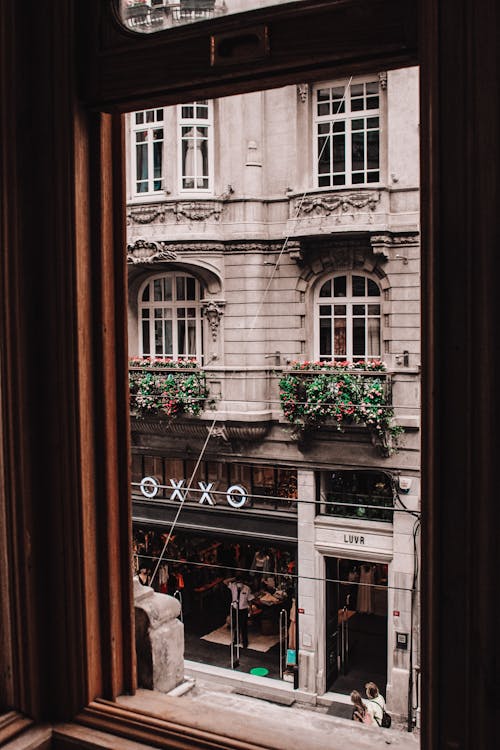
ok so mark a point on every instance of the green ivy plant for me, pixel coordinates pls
(166, 387)
(338, 392)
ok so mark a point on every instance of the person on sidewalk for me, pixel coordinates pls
(360, 711)
(375, 703)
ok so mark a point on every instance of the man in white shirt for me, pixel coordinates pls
(241, 596)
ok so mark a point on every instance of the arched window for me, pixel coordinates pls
(349, 318)
(170, 317)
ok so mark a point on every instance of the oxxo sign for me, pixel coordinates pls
(236, 495)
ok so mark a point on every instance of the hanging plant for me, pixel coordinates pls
(337, 392)
(166, 387)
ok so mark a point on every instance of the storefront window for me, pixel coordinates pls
(227, 485)
(357, 494)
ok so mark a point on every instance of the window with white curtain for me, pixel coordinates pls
(170, 317)
(195, 123)
(348, 318)
(347, 133)
(147, 151)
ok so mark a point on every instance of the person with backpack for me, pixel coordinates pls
(360, 712)
(376, 706)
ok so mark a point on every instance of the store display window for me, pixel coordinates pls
(231, 486)
(367, 495)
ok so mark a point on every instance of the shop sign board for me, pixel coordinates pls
(236, 495)
(350, 538)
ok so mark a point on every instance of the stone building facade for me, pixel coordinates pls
(264, 230)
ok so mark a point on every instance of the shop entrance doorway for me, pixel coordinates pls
(238, 601)
(356, 624)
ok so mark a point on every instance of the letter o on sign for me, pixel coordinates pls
(236, 489)
(149, 487)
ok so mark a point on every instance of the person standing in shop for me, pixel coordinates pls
(241, 596)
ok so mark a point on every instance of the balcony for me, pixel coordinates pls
(314, 398)
(338, 394)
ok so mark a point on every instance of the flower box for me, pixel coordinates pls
(166, 387)
(314, 394)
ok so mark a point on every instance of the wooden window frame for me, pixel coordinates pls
(65, 508)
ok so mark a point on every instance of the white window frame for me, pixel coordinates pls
(174, 304)
(157, 123)
(349, 301)
(347, 117)
(196, 122)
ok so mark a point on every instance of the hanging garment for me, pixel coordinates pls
(366, 576)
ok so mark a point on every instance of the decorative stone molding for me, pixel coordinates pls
(256, 247)
(325, 204)
(295, 250)
(143, 251)
(159, 639)
(197, 430)
(219, 432)
(382, 77)
(148, 214)
(383, 243)
(213, 311)
(197, 211)
(303, 91)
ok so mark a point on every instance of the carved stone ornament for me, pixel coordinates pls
(383, 243)
(324, 205)
(295, 250)
(197, 211)
(147, 214)
(382, 77)
(213, 311)
(302, 91)
(149, 252)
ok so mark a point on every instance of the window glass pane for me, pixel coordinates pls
(338, 153)
(158, 337)
(145, 337)
(358, 309)
(373, 290)
(339, 309)
(373, 309)
(150, 16)
(325, 337)
(145, 294)
(325, 310)
(181, 337)
(324, 155)
(190, 288)
(167, 288)
(373, 337)
(180, 288)
(326, 289)
(340, 336)
(169, 347)
(372, 149)
(150, 115)
(358, 151)
(139, 118)
(158, 289)
(358, 337)
(339, 286)
(358, 286)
